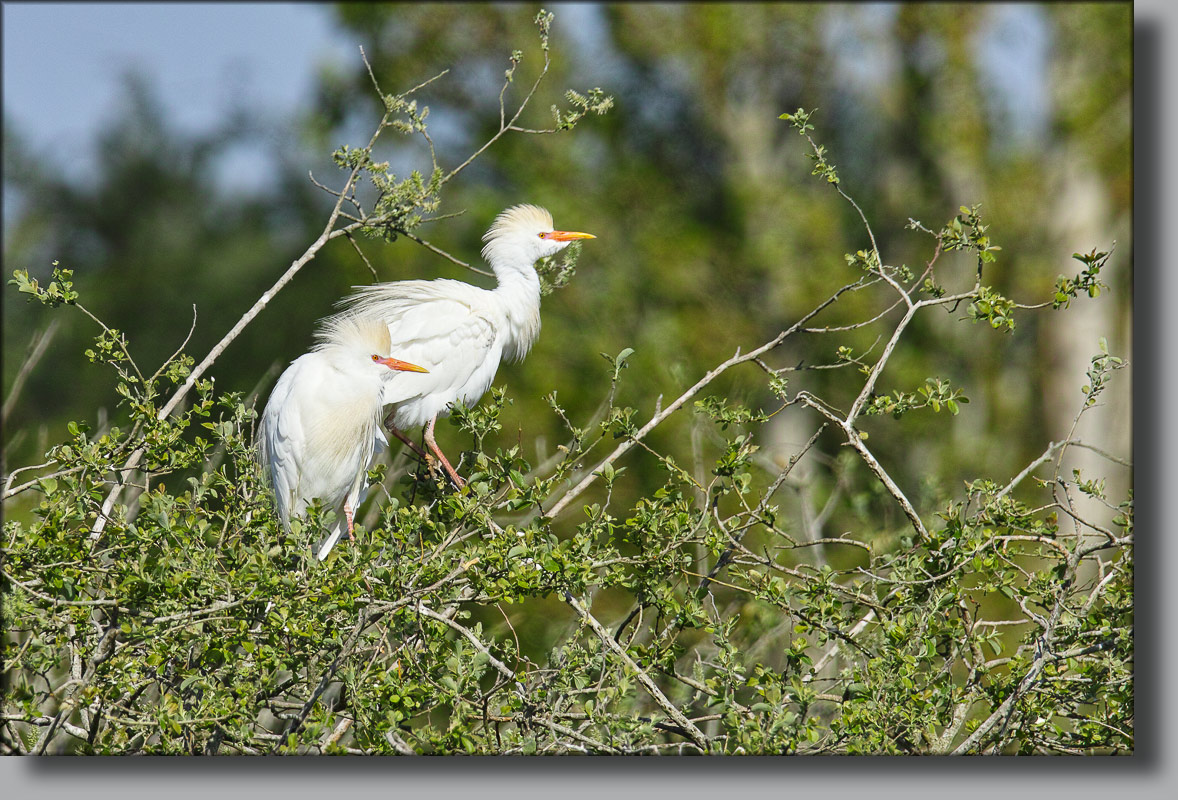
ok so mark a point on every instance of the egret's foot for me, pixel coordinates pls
(395, 431)
(436, 467)
(432, 444)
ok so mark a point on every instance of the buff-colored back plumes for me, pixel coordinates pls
(354, 331)
(524, 217)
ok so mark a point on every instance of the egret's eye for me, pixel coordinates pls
(542, 235)
(375, 357)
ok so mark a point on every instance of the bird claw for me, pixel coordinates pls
(436, 467)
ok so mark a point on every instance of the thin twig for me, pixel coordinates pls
(37, 347)
(504, 670)
(179, 349)
(352, 241)
(675, 405)
(694, 733)
(503, 127)
(445, 255)
(856, 442)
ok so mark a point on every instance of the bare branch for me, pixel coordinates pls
(654, 421)
(856, 442)
(38, 345)
(666, 705)
(445, 255)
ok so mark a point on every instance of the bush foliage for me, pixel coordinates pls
(154, 604)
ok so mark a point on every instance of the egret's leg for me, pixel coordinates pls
(433, 445)
(400, 434)
(350, 514)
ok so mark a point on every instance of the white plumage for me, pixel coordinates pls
(321, 425)
(460, 332)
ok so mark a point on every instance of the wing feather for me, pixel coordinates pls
(448, 327)
(280, 440)
(307, 442)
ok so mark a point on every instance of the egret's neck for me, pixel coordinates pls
(357, 379)
(519, 295)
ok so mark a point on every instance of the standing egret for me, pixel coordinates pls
(460, 332)
(321, 425)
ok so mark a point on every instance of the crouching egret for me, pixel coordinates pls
(459, 332)
(321, 425)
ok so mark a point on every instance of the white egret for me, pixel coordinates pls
(321, 425)
(460, 332)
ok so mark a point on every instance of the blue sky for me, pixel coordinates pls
(63, 64)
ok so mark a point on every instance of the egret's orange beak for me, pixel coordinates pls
(567, 236)
(400, 366)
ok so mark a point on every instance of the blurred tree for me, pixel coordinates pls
(708, 221)
(150, 237)
(692, 178)
(473, 621)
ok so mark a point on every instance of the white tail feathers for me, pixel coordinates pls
(330, 541)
